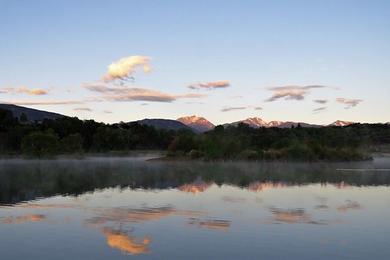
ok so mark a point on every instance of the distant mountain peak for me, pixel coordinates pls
(275, 123)
(192, 118)
(257, 122)
(341, 123)
(254, 122)
(200, 124)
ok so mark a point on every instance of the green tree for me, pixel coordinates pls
(110, 139)
(40, 144)
(72, 144)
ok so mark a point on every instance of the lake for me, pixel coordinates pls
(120, 208)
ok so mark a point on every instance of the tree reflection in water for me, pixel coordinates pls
(27, 180)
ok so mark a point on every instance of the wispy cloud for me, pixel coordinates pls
(227, 109)
(124, 68)
(291, 92)
(189, 95)
(98, 86)
(349, 102)
(86, 109)
(140, 94)
(44, 102)
(321, 101)
(24, 90)
(319, 109)
(210, 85)
(195, 103)
(107, 112)
(136, 94)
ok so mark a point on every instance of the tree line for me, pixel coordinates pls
(70, 135)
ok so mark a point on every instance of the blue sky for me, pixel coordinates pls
(260, 48)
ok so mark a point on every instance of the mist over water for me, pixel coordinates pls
(114, 208)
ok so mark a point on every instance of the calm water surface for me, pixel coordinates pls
(120, 208)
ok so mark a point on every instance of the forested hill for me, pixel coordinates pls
(29, 114)
(166, 124)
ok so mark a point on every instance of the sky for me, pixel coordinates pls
(310, 61)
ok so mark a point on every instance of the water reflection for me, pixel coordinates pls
(342, 185)
(232, 199)
(262, 186)
(118, 208)
(195, 187)
(322, 203)
(349, 205)
(25, 181)
(123, 215)
(23, 219)
(293, 216)
(47, 206)
(126, 243)
(213, 224)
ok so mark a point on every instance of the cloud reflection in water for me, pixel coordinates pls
(214, 224)
(126, 243)
(293, 216)
(349, 205)
(130, 215)
(23, 219)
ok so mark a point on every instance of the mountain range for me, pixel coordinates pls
(194, 123)
(257, 122)
(201, 124)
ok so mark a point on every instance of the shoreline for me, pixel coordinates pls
(161, 156)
